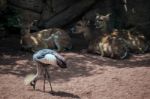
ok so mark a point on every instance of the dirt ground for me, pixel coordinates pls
(87, 77)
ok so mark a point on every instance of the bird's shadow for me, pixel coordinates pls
(61, 94)
(64, 94)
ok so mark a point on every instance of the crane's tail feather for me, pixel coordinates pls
(29, 78)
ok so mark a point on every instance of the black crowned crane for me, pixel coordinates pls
(44, 58)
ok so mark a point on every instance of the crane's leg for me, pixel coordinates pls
(44, 74)
(49, 80)
(39, 71)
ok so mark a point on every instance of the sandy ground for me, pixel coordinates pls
(87, 77)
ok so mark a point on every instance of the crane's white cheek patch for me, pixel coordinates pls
(49, 59)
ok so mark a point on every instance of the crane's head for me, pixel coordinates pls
(33, 83)
(30, 79)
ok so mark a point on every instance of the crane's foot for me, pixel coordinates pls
(52, 92)
(49, 80)
(44, 81)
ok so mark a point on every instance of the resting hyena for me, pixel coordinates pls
(87, 30)
(83, 27)
(100, 43)
(109, 46)
(54, 38)
(135, 41)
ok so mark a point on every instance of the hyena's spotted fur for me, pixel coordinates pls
(53, 38)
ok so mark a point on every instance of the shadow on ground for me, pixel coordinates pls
(65, 94)
(16, 62)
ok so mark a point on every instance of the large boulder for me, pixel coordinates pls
(3, 5)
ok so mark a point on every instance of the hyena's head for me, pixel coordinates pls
(101, 21)
(80, 27)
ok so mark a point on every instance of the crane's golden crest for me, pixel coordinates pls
(28, 79)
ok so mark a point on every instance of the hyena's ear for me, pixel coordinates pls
(97, 15)
(108, 16)
(87, 22)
